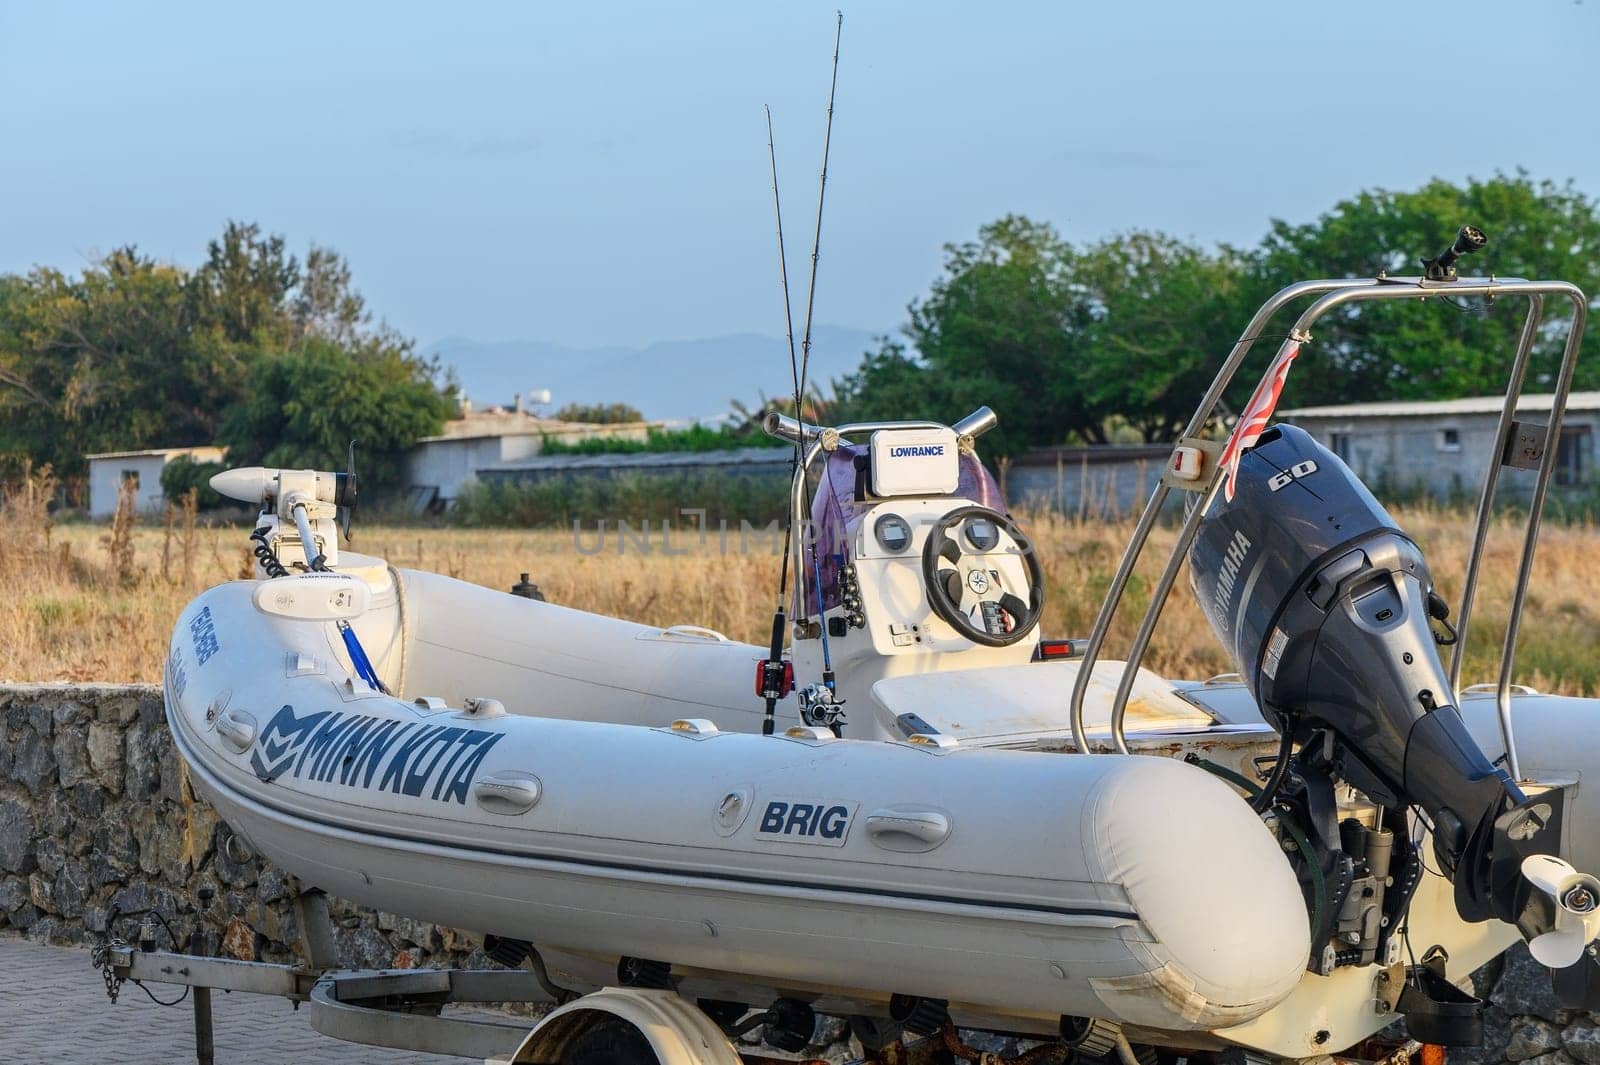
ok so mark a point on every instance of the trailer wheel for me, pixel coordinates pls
(611, 1042)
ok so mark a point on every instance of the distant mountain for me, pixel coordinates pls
(671, 379)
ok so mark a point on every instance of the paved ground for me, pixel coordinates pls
(53, 1011)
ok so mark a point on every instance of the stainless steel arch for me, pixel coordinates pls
(1331, 294)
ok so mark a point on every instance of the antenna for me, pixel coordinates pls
(822, 191)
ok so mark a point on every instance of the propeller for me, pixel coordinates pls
(1576, 898)
(345, 494)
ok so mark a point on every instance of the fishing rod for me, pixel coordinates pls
(822, 192)
(805, 358)
(775, 676)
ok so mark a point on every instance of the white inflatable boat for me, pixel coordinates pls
(591, 784)
(919, 827)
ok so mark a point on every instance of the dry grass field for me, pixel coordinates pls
(96, 602)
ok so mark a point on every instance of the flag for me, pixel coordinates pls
(1253, 422)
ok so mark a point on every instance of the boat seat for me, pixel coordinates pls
(1030, 705)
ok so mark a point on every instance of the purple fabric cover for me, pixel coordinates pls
(836, 514)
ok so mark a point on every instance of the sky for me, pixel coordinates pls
(596, 173)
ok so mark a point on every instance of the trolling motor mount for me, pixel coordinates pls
(300, 509)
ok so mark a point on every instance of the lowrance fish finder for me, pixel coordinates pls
(914, 462)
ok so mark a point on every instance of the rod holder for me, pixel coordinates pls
(1469, 239)
(976, 424)
(778, 424)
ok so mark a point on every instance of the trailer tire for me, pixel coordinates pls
(611, 1042)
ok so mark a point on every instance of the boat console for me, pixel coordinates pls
(915, 576)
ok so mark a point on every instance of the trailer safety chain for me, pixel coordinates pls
(101, 959)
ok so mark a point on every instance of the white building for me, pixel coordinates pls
(110, 470)
(439, 467)
(1442, 447)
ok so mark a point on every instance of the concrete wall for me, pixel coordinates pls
(1443, 455)
(105, 482)
(452, 463)
(96, 812)
(448, 465)
(1110, 482)
(1089, 482)
(106, 474)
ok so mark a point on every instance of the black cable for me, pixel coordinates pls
(171, 935)
(1250, 787)
(1264, 336)
(1422, 854)
(161, 1002)
(1405, 937)
(1269, 792)
(1463, 308)
(270, 565)
(562, 995)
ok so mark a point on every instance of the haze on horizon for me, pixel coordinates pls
(594, 175)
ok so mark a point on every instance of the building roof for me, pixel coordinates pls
(482, 425)
(650, 460)
(1406, 408)
(211, 450)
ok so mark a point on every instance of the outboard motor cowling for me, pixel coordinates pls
(1326, 607)
(1324, 604)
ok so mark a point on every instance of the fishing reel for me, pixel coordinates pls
(821, 708)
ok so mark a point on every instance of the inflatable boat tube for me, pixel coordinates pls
(1138, 889)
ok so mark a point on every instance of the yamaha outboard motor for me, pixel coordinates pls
(1328, 609)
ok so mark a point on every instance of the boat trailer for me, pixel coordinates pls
(404, 1009)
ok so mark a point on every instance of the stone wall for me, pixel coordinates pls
(1523, 1022)
(96, 813)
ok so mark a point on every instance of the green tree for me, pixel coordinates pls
(183, 473)
(301, 408)
(1005, 325)
(1164, 314)
(1406, 351)
(1063, 342)
(135, 353)
(101, 362)
(245, 287)
(599, 413)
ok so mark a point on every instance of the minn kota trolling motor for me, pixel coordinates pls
(1329, 610)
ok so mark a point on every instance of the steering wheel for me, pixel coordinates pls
(967, 581)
